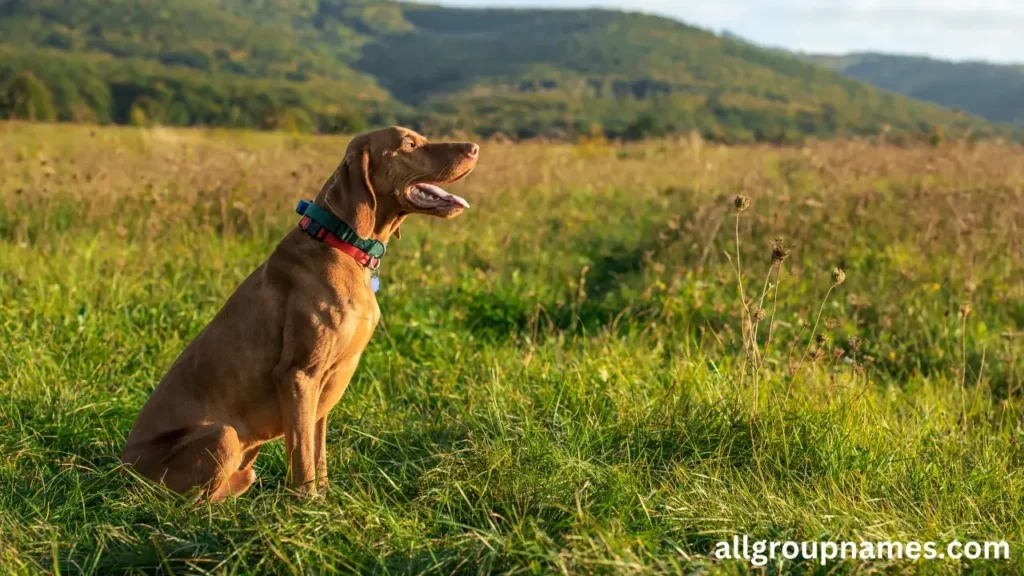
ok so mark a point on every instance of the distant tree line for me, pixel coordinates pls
(49, 89)
(140, 100)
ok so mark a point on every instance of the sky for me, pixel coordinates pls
(991, 30)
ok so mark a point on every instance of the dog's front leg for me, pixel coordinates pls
(321, 453)
(298, 394)
(297, 378)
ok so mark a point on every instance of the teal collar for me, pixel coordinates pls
(322, 219)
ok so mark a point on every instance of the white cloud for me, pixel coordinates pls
(957, 29)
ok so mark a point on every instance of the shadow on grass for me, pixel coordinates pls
(610, 283)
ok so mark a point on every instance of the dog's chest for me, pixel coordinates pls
(337, 378)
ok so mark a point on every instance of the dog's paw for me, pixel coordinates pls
(308, 491)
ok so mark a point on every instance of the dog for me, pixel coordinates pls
(280, 353)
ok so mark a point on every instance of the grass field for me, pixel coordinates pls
(562, 381)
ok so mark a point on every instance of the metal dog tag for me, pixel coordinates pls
(374, 283)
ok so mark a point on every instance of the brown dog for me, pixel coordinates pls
(280, 353)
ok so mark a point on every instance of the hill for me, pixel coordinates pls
(338, 65)
(993, 91)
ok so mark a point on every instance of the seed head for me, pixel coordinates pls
(838, 277)
(758, 315)
(779, 250)
(741, 203)
(823, 340)
(965, 309)
(855, 343)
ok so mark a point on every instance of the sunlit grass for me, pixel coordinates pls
(556, 385)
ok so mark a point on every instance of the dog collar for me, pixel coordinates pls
(334, 232)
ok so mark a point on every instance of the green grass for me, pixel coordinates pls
(558, 384)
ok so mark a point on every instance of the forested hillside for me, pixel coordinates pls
(992, 91)
(340, 65)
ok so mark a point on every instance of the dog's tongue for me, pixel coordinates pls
(440, 194)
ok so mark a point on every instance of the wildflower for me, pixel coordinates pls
(838, 277)
(741, 203)
(779, 250)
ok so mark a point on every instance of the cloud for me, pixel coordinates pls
(974, 20)
(987, 30)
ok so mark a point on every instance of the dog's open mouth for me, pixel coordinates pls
(430, 196)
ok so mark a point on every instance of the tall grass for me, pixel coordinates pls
(558, 383)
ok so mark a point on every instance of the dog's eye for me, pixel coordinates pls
(410, 145)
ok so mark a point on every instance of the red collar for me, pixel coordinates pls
(333, 241)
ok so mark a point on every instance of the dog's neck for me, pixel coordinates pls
(388, 214)
(389, 217)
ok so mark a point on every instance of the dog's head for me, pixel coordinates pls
(391, 173)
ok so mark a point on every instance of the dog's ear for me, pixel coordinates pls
(350, 192)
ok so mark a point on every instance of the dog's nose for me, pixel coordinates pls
(473, 151)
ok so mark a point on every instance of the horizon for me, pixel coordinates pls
(939, 30)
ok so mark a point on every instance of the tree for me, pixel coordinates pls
(146, 110)
(177, 114)
(30, 99)
(65, 97)
(137, 116)
(646, 126)
(96, 94)
(294, 120)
